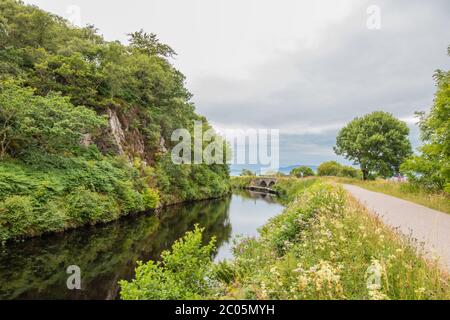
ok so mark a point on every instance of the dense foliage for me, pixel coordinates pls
(431, 169)
(302, 171)
(85, 126)
(323, 246)
(50, 124)
(333, 168)
(377, 142)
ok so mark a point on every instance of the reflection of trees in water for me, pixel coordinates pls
(252, 195)
(37, 268)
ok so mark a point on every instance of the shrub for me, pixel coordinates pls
(350, 172)
(151, 198)
(182, 273)
(85, 206)
(302, 171)
(130, 199)
(16, 216)
(240, 182)
(329, 168)
(333, 168)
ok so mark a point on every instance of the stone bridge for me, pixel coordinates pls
(263, 184)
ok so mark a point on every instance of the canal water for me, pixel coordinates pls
(36, 268)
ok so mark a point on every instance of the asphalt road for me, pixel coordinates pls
(428, 226)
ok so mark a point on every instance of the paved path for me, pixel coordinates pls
(426, 225)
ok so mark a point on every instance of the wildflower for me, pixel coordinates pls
(302, 282)
(420, 291)
(324, 275)
(377, 295)
(373, 275)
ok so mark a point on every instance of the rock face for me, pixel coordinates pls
(162, 145)
(86, 140)
(116, 131)
(124, 137)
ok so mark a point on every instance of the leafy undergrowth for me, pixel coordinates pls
(68, 193)
(323, 246)
(241, 182)
(435, 200)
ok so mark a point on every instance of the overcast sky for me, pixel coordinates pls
(304, 67)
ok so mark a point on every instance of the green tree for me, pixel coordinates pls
(149, 44)
(431, 168)
(51, 124)
(247, 172)
(377, 142)
(329, 168)
(302, 171)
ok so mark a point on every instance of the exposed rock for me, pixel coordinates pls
(86, 140)
(162, 145)
(116, 130)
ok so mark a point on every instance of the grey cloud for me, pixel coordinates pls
(357, 71)
(353, 71)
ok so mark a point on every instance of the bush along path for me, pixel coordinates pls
(429, 227)
(324, 245)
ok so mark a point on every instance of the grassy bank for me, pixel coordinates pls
(324, 245)
(435, 200)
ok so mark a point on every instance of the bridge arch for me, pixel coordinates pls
(263, 184)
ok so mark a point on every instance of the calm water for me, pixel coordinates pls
(36, 268)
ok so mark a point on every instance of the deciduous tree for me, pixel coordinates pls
(377, 142)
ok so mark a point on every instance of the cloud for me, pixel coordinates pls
(351, 72)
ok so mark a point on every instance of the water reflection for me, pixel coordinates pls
(36, 269)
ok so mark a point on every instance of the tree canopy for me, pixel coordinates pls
(333, 168)
(302, 171)
(51, 123)
(377, 142)
(431, 168)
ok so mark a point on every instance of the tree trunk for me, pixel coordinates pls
(365, 174)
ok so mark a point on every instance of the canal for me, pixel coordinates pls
(36, 268)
